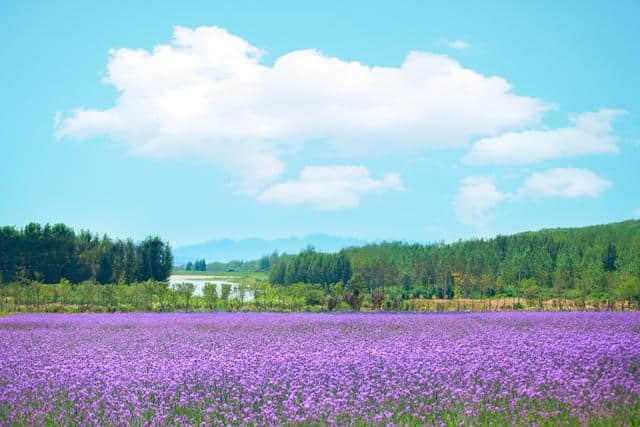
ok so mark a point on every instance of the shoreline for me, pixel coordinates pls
(176, 277)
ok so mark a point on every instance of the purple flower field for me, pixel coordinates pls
(226, 368)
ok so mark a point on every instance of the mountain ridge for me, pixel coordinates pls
(250, 248)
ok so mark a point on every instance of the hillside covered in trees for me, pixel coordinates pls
(597, 263)
(50, 253)
(600, 261)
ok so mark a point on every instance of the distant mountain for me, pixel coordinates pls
(226, 250)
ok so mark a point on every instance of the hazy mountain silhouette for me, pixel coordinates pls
(225, 250)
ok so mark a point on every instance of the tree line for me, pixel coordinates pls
(310, 266)
(257, 265)
(199, 265)
(149, 295)
(51, 253)
(597, 262)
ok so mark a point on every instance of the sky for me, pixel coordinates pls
(417, 121)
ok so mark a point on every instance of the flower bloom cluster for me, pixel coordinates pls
(264, 369)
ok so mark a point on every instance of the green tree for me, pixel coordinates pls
(64, 291)
(185, 291)
(353, 294)
(225, 292)
(531, 292)
(609, 258)
(210, 293)
(628, 288)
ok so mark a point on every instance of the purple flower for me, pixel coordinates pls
(267, 368)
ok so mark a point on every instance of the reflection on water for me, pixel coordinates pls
(199, 283)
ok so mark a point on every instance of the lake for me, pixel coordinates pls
(199, 282)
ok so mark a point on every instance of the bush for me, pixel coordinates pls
(313, 297)
(54, 308)
(126, 308)
(354, 299)
(409, 306)
(331, 302)
(377, 297)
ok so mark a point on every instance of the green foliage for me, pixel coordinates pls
(353, 295)
(198, 265)
(377, 298)
(628, 287)
(609, 258)
(584, 262)
(580, 263)
(51, 253)
(225, 291)
(185, 293)
(331, 302)
(210, 293)
(594, 267)
(311, 267)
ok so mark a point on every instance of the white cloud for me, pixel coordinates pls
(563, 182)
(636, 213)
(590, 134)
(476, 198)
(208, 96)
(330, 187)
(457, 44)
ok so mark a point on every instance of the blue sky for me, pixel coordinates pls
(420, 121)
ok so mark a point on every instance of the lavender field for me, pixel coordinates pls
(223, 368)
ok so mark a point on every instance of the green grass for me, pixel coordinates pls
(546, 414)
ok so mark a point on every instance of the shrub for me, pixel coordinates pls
(210, 293)
(54, 308)
(313, 297)
(354, 299)
(331, 302)
(125, 308)
(377, 297)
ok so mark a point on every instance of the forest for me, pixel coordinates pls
(53, 268)
(598, 262)
(311, 267)
(50, 253)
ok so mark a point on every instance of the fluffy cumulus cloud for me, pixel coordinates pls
(478, 196)
(208, 96)
(636, 213)
(564, 182)
(475, 200)
(590, 133)
(330, 187)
